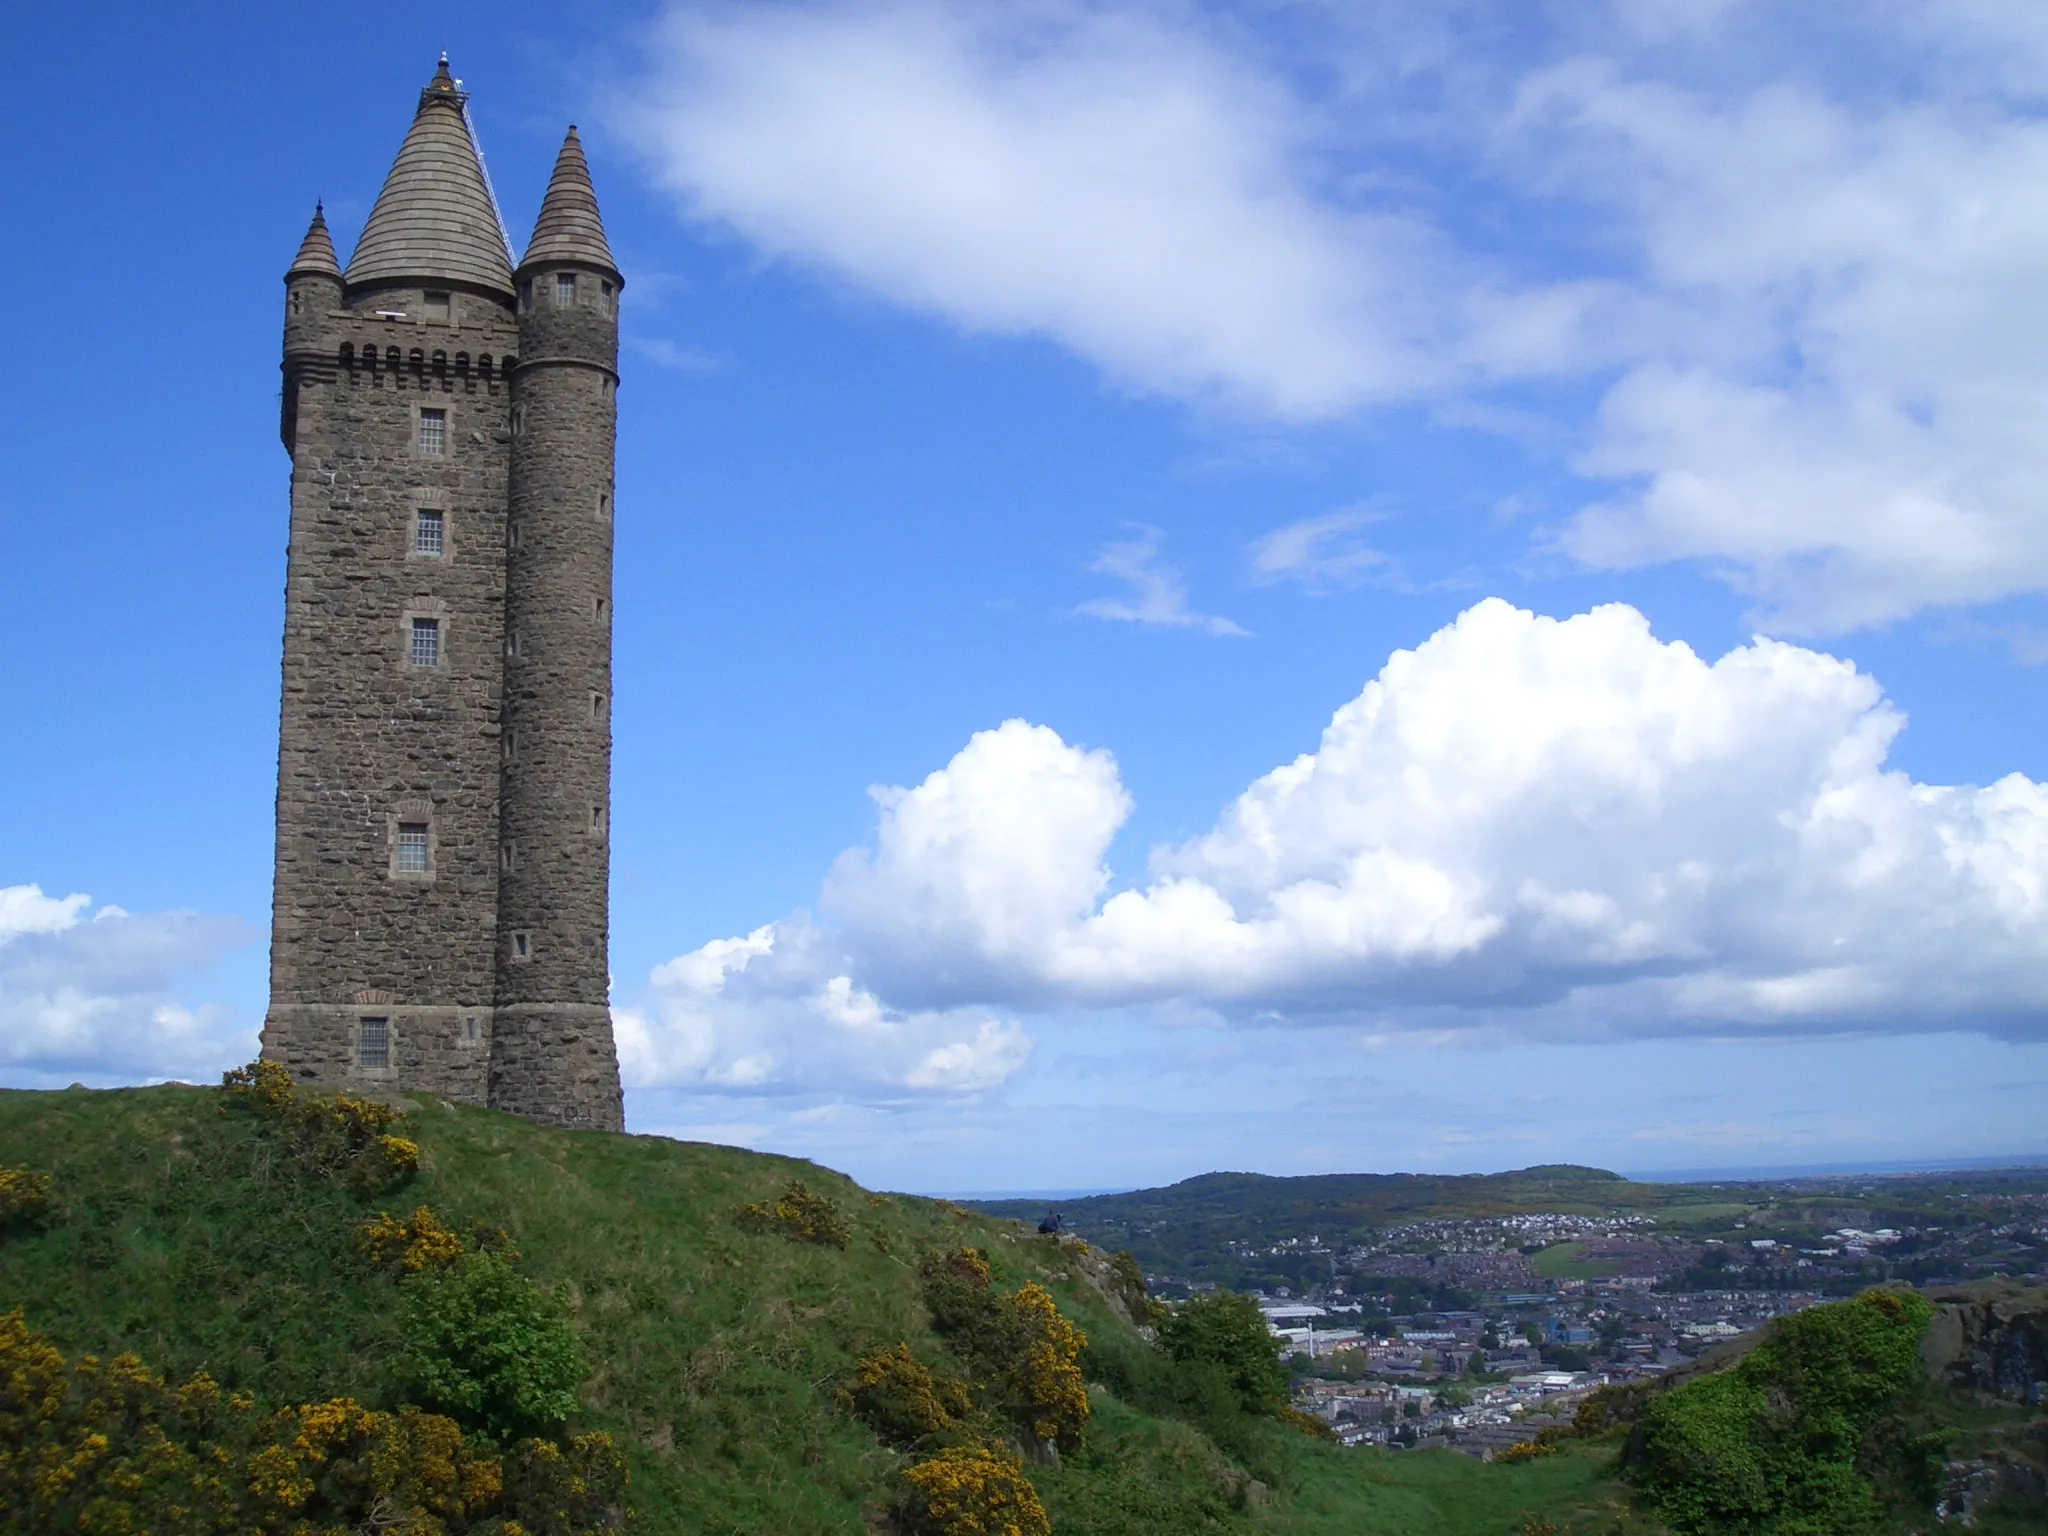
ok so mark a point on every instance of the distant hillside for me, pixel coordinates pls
(1194, 1228)
(716, 1354)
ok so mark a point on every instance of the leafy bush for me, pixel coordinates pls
(971, 1492)
(24, 1198)
(491, 1348)
(903, 1401)
(1226, 1330)
(328, 1135)
(108, 1446)
(1805, 1435)
(800, 1215)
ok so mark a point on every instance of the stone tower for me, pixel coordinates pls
(444, 755)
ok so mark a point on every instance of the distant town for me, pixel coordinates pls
(1474, 1332)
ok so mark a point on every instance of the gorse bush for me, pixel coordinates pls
(1808, 1435)
(1019, 1350)
(24, 1198)
(97, 1447)
(904, 1401)
(971, 1491)
(1042, 1381)
(327, 1135)
(411, 1247)
(490, 1348)
(800, 1215)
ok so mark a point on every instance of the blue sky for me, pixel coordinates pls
(1278, 586)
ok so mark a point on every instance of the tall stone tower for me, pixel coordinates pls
(444, 756)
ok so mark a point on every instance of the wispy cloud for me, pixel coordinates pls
(667, 354)
(1803, 306)
(1158, 592)
(1319, 553)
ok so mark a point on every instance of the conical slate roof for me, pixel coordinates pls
(569, 228)
(316, 251)
(435, 220)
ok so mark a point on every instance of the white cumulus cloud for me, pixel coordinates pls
(93, 996)
(1565, 822)
(769, 1014)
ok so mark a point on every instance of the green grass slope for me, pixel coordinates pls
(716, 1353)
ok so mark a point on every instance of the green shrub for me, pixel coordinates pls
(490, 1348)
(1805, 1436)
(1226, 1331)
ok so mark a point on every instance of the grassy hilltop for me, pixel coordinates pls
(716, 1354)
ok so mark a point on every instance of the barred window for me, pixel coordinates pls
(433, 433)
(373, 1043)
(412, 847)
(429, 531)
(426, 642)
(604, 289)
(565, 288)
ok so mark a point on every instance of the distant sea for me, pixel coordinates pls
(1027, 1194)
(1829, 1170)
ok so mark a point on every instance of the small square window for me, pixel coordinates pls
(412, 847)
(522, 946)
(426, 642)
(373, 1043)
(429, 532)
(437, 307)
(433, 433)
(565, 289)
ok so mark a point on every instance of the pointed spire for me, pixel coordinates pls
(569, 228)
(316, 251)
(435, 220)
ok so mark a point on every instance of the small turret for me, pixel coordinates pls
(551, 1051)
(569, 285)
(312, 295)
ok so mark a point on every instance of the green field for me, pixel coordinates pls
(715, 1354)
(1567, 1261)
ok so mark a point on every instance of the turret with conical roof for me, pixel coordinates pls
(552, 1042)
(312, 298)
(569, 229)
(435, 222)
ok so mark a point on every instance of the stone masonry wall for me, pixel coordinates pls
(366, 738)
